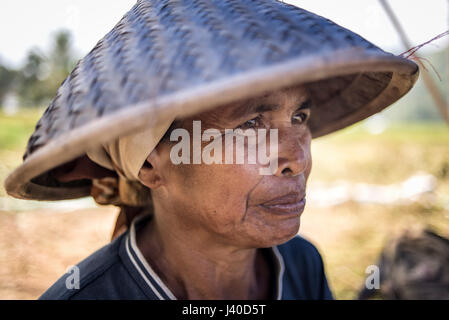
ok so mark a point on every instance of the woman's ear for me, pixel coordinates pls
(149, 174)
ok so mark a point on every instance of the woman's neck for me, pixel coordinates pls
(194, 266)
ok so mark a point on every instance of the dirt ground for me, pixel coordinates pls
(37, 247)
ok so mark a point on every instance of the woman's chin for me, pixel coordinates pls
(276, 235)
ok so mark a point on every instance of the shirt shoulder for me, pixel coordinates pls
(305, 277)
(302, 251)
(102, 275)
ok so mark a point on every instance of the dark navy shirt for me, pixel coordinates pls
(119, 271)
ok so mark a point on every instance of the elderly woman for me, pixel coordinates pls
(149, 119)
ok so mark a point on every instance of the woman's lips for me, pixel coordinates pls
(289, 204)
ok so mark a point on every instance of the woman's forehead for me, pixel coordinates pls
(291, 97)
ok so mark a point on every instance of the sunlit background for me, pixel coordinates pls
(369, 182)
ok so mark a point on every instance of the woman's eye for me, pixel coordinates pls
(253, 123)
(301, 116)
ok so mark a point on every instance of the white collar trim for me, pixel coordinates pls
(132, 238)
(281, 269)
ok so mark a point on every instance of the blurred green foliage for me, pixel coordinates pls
(37, 82)
(7, 78)
(14, 133)
(15, 130)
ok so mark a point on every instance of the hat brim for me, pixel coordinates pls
(391, 77)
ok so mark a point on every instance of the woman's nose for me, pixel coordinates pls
(293, 154)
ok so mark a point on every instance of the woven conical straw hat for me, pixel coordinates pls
(168, 58)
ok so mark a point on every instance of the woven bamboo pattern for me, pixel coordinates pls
(164, 46)
(180, 57)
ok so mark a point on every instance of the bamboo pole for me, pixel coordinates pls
(435, 93)
(447, 71)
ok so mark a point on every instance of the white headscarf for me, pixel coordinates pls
(126, 156)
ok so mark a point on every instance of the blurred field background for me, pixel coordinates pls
(351, 235)
(38, 245)
(39, 241)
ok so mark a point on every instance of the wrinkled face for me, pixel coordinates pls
(234, 203)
